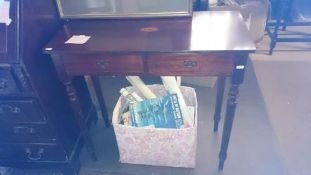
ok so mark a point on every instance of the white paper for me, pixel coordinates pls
(78, 39)
(5, 12)
(140, 85)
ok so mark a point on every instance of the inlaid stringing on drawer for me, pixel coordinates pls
(96, 64)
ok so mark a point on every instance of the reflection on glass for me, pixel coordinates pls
(211, 35)
(123, 8)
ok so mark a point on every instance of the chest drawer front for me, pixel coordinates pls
(190, 64)
(13, 81)
(31, 153)
(25, 133)
(96, 64)
(21, 111)
(7, 82)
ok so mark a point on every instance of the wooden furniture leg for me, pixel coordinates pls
(275, 33)
(288, 5)
(236, 79)
(231, 106)
(72, 168)
(219, 98)
(101, 100)
(75, 104)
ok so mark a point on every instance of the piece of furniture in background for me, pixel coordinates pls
(37, 125)
(283, 12)
(208, 44)
(201, 5)
(90, 9)
(254, 13)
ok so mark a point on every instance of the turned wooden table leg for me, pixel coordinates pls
(231, 106)
(75, 105)
(219, 98)
(236, 79)
(101, 100)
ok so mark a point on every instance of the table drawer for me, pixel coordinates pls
(96, 64)
(25, 133)
(21, 111)
(190, 64)
(31, 153)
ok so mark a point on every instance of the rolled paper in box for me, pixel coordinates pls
(140, 85)
(171, 85)
(131, 97)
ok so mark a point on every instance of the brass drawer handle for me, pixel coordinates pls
(3, 83)
(34, 156)
(190, 63)
(103, 63)
(14, 110)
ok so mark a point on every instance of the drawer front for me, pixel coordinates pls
(7, 82)
(21, 111)
(13, 81)
(96, 64)
(21, 80)
(31, 153)
(25, 133)
(190, 64)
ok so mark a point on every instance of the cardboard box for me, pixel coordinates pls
(157, 146)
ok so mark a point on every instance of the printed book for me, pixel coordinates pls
(163, 112)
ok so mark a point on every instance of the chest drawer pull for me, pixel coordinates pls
(34, 156)
(190, 63)
(24, 129)
(3, 83)
(103, 63)
(14, 110)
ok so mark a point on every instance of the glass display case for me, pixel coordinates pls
(69, 9)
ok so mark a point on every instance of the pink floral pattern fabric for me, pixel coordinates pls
(157, 146)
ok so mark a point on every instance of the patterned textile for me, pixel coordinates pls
(157, 146)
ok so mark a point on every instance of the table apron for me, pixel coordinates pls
(212, 64)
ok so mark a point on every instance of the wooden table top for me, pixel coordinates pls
(204, 31)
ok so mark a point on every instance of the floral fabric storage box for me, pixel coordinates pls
(157, 146)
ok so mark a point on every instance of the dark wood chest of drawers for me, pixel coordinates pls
(37, 128)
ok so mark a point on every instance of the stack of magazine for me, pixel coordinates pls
(151, 111)
(163, 112)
